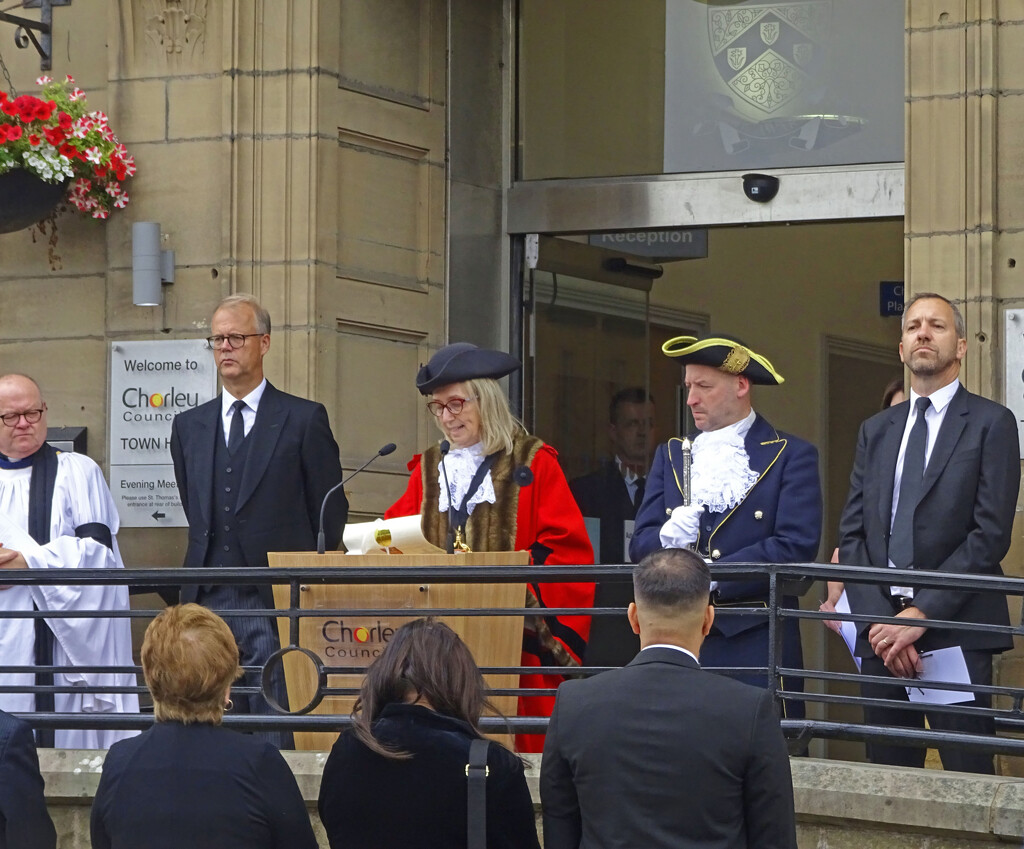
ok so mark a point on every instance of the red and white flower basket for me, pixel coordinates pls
(57, 139)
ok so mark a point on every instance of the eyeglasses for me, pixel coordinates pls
(234, 341)
(31, 416)
(454, 406)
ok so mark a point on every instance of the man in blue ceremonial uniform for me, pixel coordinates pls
(756, 498)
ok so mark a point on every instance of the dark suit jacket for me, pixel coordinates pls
(292, 463)
(779, 520)
(24, 821)
(963, 521)
(603, 495)
(198, 786)
(368, 801)
(662, 754)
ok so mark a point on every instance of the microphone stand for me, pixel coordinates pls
(449, 544)
(321, 543)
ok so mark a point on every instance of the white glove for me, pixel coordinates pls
(682, 527)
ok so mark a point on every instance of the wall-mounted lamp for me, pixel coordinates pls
(151, 266)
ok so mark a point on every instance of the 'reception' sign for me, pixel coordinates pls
(150, 383)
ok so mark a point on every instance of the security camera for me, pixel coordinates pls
(760, 188)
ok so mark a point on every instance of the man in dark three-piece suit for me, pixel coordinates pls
(755, 498)
(934, 486)
(659, 753)
(24, 821)
(612, 495)
(253, 466)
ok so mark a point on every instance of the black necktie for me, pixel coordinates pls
(638, 496)
(901, 540)
(237, 433)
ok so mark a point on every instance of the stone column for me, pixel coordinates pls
(965, 191)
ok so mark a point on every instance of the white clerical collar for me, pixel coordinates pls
(940, 398)
(252, 400)
(674, 648)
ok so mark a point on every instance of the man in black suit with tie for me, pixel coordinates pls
(612, 495)
(253, 467)
(660, 753)
(934, 486)
(24, 821)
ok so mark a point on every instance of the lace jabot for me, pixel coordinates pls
(721, 475)
(461, 464)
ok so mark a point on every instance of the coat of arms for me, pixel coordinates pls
(770, 56)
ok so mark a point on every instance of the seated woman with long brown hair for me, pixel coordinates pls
(397, 778)
(187, 781)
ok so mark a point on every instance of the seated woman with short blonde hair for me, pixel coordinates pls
(187, 781)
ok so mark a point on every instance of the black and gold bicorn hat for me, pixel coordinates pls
(724, 354)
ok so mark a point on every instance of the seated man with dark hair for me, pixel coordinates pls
(621, 745)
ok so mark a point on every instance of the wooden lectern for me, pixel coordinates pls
(357, 640)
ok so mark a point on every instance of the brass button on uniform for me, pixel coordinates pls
(716, 554)
(758, 515)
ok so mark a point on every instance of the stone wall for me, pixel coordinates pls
(839, 805)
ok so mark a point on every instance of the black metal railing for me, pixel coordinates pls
(817, 695)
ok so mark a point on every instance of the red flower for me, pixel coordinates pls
(100, 171)
(27, 107)
(34, 140)
(64, 121)
(69, 151)
(54, 135)
(14, 132)
(3, 132)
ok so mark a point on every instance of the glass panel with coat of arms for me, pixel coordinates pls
(804, 83)
(631, 87)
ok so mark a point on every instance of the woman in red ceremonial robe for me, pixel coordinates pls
(506, 492)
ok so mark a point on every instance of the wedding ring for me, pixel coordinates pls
(884, 641)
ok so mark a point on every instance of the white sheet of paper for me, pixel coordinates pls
(405, 533)
(948, 666)
(627, 534)
(848, 630)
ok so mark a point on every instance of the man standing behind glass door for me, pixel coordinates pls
(611, 495)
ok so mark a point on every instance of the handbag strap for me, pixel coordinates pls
(476, 795)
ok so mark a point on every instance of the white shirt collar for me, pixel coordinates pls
(628, 475)
(252, 400)
(675, 648)
(940, 398)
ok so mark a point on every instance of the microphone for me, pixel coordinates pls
(320, 540)
(449, 537)
(523, 476)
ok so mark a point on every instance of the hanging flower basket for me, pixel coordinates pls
(26, 199)
(53, 149)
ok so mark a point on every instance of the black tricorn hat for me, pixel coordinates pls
(724, 354)
(463, 361)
